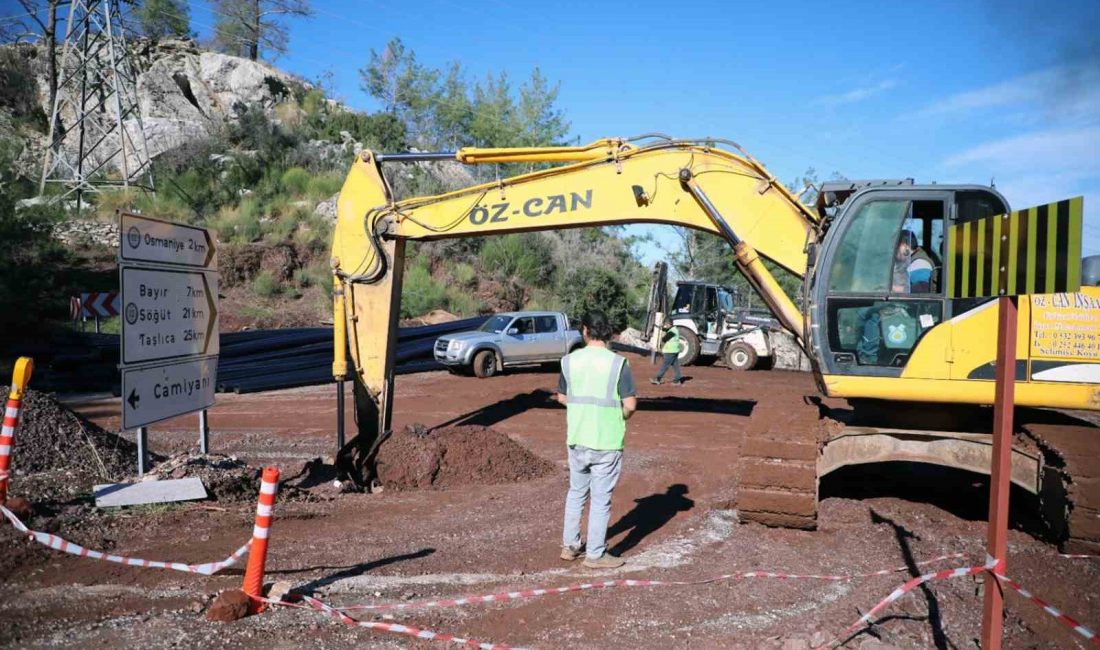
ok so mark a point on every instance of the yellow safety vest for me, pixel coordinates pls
(673, 344)
(594, 409)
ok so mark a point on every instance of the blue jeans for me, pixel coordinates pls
(670, 360)
(591, 472)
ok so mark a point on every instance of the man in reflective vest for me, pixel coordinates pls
(670, 353)
(597, 389)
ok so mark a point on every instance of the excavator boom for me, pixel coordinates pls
(607, 182)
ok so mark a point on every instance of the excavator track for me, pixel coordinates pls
(778, 462)
(1070, 443)
(778, 465)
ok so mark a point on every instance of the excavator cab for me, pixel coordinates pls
(879, 284)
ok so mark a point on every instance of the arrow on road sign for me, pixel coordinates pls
(162, 242)
(167, 390)
(168, 314)
(103, 304)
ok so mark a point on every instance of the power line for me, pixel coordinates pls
(5, 19)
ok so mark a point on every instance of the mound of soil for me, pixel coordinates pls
(418, 458)
(226, 478)
(58, 454)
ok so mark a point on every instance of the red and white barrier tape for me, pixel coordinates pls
(56, 543)
(1078, 556)
(1068, 621)
(393, 628)
(905, 588)
(607, 584)
(990, 564)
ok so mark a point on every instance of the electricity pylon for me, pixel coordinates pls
(96, 136)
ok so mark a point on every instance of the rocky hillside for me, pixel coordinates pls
(258, 156)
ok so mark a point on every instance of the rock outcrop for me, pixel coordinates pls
(204, 88)
(185, 93)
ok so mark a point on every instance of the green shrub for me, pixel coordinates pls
(39, 272)
(19, 88)
(464, 275)
(313, 233)
(381, 131)
(280, 229)
(421, 293)
(249, 208)
(295, 180)
(164, 206)
(524, 257)
(462, 303)
(324, 279)
(323, 186)
(109, 204)
(247, 228)
(257, 313)
(544, 300)
(591, 288)
(239, 225)
(265, 285)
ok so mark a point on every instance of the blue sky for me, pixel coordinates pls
(947, 92)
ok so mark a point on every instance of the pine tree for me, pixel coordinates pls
(164, 18)
(247, 27)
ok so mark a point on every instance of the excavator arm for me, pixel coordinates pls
(682, 183)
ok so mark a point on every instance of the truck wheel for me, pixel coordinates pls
(485, 364)
(689, 346)
(740, 356)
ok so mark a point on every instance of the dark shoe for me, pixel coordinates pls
(605, 561)
(655, 382)
(568, 553)
(677, 382)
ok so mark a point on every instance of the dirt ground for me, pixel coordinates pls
(670, 520)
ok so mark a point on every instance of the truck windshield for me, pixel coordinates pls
(682, 302)
(496, 324)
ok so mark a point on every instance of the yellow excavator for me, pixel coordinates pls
(879, 341)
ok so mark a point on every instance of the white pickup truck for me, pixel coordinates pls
(509, 339)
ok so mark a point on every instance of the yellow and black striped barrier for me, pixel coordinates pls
(1035, 250)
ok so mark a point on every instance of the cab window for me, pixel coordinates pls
(524, 325)
(726, 301)
(918, 264)
(685, 295)
(889, 253)
(864, 261)
(546, 324)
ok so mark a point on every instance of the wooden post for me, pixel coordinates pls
(999, 484)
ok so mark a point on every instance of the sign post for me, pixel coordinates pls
(204, 433)
(1031, 251)
(999, 485)
(169, 335)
